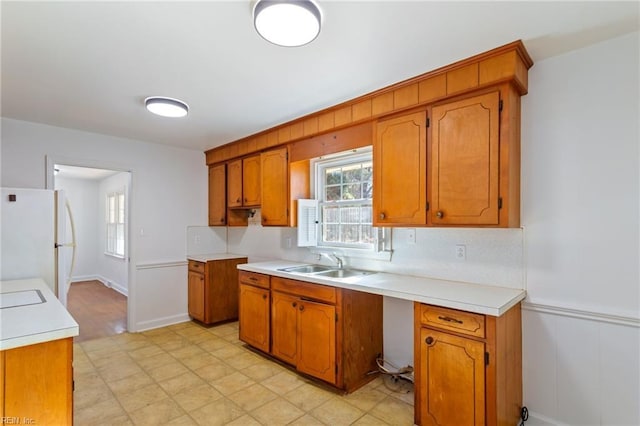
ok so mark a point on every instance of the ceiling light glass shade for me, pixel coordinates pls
(287, 23)
(166, 107)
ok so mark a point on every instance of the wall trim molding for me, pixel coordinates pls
(161, 322)
(105, 281)
(161, 264)
(583, 314)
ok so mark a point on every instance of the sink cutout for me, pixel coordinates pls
(14, 299)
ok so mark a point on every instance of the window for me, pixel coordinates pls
(344, 189)
(115, 224)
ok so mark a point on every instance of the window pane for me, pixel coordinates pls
(350, 214)
(367, 172)
(350, 233)
(333, 176)
(112, 209)
(331, 233)
(367, 214)
(367, 234)
(120, 208)
(332, 193)
(330, 214)
(120, 240)
(352, 173)
(351, 192)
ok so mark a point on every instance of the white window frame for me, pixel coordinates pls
(310, 226)
(116, 226)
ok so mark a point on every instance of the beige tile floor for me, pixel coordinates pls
(187, 374)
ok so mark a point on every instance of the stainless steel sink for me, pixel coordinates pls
(307, 269)
(326, 271)
(344, 273)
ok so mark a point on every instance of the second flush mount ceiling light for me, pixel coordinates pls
(166, 107)
(288, 23)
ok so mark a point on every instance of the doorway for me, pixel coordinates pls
(96, 264)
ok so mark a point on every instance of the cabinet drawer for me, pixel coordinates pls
(453, 320)
(196, 266)
(303, 289)
(251, 278)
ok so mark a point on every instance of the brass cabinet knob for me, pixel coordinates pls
(382, 216)
(264, 296)
(294, 304)
(440, 214)
(428, 340)
(237, 200)
(301, 308)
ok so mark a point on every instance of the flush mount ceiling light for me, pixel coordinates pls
(166, 107)
(289, 23)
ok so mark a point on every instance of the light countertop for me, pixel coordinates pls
(32, 314)
(478, 298)
(214, 256)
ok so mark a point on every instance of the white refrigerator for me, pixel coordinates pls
(36, 237)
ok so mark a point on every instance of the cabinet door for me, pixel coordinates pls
(400, 171)
(234, 184)
(251, 181)
(196, 296)
(284, 326)
(275, 187)
(38, 383)
(217, 195)
(464, 161)
(254, 316)
(452, 379)
(317, 340)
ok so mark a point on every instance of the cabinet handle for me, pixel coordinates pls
(301, 308)
(264, 296)
(428, 340)
(382, 216)
(253, 278)
(294, 304)
(237, 200)
(222, 220)
(440, 214)
(449, 319)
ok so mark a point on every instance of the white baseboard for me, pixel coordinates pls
(161, 322)
(105, 281)
(536, 419)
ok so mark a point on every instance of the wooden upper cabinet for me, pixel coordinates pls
(234, 183)
(400, 171)
(251, 181)
(275, 187)
(217, 195)
(464, 167)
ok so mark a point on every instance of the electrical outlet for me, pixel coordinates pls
(411, 236)
(461, 252)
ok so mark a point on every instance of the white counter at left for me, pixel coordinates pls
(33, 323)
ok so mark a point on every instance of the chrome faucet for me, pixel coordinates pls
(333, 256)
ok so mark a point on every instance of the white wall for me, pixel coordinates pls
(112, 270)
(580, 186)
(82, 195)
(169, 187)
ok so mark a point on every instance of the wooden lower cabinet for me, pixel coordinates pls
(254, 311)
(329, 333)
(468, 367)
(213, 289)
(36, 383)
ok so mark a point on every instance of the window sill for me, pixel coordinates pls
(115, 256)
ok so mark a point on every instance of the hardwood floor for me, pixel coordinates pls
(99, 310)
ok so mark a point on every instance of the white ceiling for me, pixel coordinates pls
(74, 172)
(89, 65)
